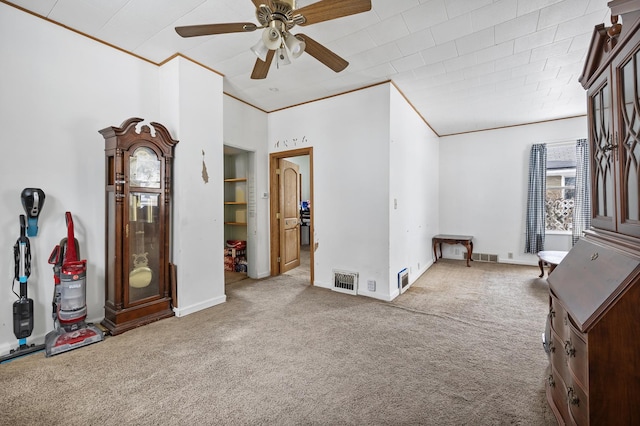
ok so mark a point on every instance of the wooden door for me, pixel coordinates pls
(289, 215)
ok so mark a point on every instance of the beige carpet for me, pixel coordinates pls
(462, 346)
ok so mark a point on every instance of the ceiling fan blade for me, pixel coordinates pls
(326, 10)
(209, 29)
(261, 68)
(323, 54)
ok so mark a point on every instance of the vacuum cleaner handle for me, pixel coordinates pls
(22, 254)
(23, 227)
(71, 255)
(54, 257)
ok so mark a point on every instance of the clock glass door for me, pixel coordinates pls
(144, 228)
(144, 253)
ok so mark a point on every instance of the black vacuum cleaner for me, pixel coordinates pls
(23, 307)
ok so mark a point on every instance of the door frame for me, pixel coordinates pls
(274, 196)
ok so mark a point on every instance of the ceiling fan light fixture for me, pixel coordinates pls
(271, 38)
(295, 45)
(282, 57)
(261, 50)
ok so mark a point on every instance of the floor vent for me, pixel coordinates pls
(403, 280)
(483, 257)
(345, 282)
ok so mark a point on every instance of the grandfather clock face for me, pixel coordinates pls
(144, 168)
(143, 232)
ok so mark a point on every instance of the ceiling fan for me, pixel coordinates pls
(277, 18)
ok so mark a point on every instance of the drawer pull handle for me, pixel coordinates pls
(569, 349)
(572, 397)
(594, 256)
(550, 381)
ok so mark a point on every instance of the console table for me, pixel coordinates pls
(465, 240)
(551, 258)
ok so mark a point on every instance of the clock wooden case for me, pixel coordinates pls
(138, 163)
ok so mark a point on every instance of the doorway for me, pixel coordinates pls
(239, 208)
(287, 230)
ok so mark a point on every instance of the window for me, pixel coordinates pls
(561, 187)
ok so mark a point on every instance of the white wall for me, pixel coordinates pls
(191, 107)
(58, 89)
(483, 186)
(245, 128)
(413, 204)
(351, 181)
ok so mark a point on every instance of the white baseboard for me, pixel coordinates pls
(263, 275)
(519, 262)
(184, 311)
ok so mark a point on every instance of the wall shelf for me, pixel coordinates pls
(236, 193)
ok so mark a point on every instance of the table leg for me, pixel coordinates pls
(541, 265)
(435, 252)
(469, 246)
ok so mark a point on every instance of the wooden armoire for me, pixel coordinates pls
(594, 293)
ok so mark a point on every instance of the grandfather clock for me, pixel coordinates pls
(138, 162)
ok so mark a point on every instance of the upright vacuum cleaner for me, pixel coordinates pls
(69, 298)
(23, 307)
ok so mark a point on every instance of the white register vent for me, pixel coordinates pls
(483, 257)
(345, 281)
(403, 280)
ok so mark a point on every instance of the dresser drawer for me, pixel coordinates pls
(558, 318)
(575, 349)
(577, 404)
(558, 356)
(557, 394)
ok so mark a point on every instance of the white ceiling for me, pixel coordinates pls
(464, 65)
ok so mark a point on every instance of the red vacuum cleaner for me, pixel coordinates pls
(69, 298)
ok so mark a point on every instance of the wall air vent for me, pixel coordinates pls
(483, 257)
(403, 280)
(345, 282)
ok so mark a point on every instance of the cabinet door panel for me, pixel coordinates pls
(628, 140)
(602, 156)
